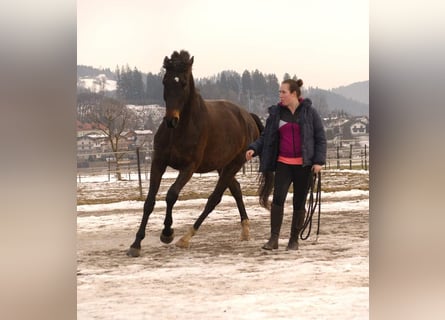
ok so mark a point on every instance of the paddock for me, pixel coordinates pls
(219, 276)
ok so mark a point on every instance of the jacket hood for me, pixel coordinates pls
(304, 102)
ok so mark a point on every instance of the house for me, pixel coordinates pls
(144, 137)
(88, 128)
(344, 131)
(140, 138)
(90, 145)
(354, 128)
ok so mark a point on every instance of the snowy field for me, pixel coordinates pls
(220, 276)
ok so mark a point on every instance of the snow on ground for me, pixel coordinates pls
(94, 84)
(220, 276)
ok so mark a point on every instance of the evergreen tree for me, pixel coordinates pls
(272, 88)
(223, 82)
(246, 82)
(258, 83)
(119, 85)
(137, 93)
(125, 83)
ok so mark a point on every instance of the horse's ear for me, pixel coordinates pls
(165, 62)
(191, 61)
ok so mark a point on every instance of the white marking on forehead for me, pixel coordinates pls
(176, 79)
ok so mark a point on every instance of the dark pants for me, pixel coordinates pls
(299, 176)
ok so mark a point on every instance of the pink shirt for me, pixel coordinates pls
(290, 140)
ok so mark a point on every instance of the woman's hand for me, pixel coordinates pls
(249, 154)
(316, 168)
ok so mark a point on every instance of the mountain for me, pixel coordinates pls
(332, 101)
(358, 91)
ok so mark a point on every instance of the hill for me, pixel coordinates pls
(337, 102)
(358, 91)
(353, 99)
(91, 72)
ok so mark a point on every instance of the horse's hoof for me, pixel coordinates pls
(245, 231)
(245, 237)
(167, 239)
(184, 244)
(133, 252)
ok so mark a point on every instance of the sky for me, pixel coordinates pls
(325, 43)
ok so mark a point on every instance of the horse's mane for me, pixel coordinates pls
(179, 62)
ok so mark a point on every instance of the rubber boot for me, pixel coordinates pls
(296, 227)
(276, 218)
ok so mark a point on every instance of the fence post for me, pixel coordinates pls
(350, 156)
(139, 172)
(109, 169)
(338, 157)
(366, 162)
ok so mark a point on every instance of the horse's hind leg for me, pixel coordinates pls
(215, 198)
(235, 189)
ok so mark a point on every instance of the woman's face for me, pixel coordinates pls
(286, 97)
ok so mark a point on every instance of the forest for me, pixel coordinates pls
(253, 90)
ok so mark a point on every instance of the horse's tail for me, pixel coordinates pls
(258, 122)
(266, 180)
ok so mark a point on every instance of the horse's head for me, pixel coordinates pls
(178, 85)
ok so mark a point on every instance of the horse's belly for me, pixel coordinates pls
(218, 161)
(205, 169)
(201, 169)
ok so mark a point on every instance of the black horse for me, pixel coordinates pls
(196, 136)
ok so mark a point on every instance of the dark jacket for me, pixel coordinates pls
(312, 136)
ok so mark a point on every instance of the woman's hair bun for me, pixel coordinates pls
(300, 82)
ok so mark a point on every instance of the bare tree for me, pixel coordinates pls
(108, 115)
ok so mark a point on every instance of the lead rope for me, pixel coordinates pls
(312, 206)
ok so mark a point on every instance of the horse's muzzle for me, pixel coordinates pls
(171, 118)
(171, 122)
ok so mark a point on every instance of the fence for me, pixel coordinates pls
(135, 164)
(348, 157)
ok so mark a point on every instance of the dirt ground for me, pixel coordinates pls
(219, 276)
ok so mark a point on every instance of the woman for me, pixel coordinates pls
(293, 145)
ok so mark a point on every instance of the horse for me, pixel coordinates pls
(196, 136)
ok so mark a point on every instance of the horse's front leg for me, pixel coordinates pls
(157, 170)
(184, 176)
